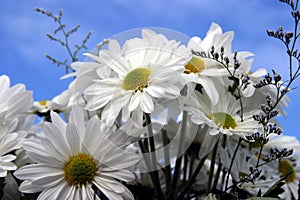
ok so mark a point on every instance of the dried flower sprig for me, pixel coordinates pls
(251, 177)
(65, 40)
(239, 82)
(277, 154)
(269, 110)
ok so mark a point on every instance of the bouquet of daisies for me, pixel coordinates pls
(154, 114)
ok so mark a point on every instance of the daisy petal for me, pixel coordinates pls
(146, 103)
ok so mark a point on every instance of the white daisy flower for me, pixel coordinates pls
(62, 103)
(243, 160)
(85, 73)
(72, 157)
(284, 166)
(8, 143)
(201, 70)
(195, 73)
(223, 117)
(287, 166)
(45, 106)
(145, 69)
(15, 101)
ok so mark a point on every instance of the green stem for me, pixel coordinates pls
(219, 166)
(177, 170)
(185, 166)
(192, 160)
(152, 154)
(231, 162)
(144, 151)
(168, 174)
(188, 184)
(259, 155)
(212, 167)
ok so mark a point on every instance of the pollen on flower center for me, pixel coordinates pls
(196, 65)
(285, 168)
(137, 79)
(80, 169)
(223, 120)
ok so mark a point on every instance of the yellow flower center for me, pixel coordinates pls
(223, 120)
(196, 65)
(137, 79)
(44, 103)
(80, 169)
(285, 168)
(242, 174)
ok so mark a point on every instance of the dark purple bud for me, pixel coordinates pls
(226, 59)
(270, 33)
(216, 56)
(268, 78)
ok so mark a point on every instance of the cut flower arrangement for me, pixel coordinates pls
(157, 115)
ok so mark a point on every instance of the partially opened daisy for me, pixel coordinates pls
(144, 70)
(223, 117)
(72, 157)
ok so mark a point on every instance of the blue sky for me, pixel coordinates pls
(24, 44)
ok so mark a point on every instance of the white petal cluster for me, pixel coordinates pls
(15, 102)
(64, 140)
(144, 103)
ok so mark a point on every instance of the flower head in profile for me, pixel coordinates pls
(72, 157)
(143, 70)
(15, 101)
(45, 106)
